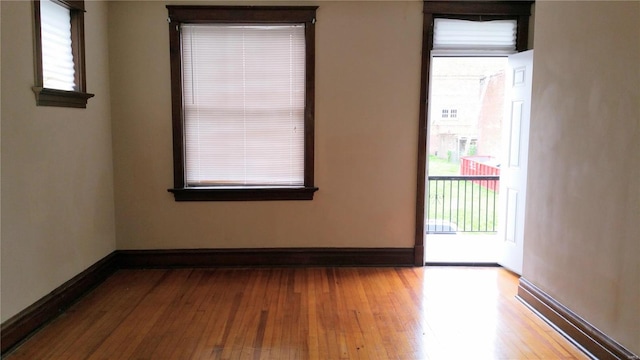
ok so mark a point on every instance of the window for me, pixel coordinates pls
(59, 52)
(449, 113)
(491, 36)
(242, 82)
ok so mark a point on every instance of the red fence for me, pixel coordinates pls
(480, 166)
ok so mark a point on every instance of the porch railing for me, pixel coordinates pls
(462, 204)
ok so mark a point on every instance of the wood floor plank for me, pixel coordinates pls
(301, 313)
(214, 308)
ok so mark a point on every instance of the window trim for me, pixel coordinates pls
(179, 14)
(55, 97)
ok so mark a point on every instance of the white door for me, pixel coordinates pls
(513, 168)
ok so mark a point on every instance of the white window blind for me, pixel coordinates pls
(243, 89)
(452, 34)
(57, 58)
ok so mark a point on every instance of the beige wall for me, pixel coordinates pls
(582, 233)
(367, 102)
(57, 173)
(581, 242)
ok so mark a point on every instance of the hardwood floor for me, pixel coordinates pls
(301, 313)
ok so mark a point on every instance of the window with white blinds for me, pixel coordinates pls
(453, 34)
(60, 77)
(242, 99)
(58, 70)
(243, 104)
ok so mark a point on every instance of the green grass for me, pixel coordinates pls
(441, 167)
(472, 207)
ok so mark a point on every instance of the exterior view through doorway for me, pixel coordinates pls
(464, 151)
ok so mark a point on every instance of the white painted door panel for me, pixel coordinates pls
(513, 171)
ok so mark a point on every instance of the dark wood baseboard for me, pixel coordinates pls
(573, 326)
(21, 325)
(266, 257)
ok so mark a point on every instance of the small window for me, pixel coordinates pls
(454, 113)
(242, 97)
(59, 51)
(445, 113)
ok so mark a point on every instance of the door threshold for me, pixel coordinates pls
(466, 264)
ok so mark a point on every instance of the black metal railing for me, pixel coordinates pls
(462, 204)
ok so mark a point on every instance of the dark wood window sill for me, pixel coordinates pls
(243, 194)
(61, 98)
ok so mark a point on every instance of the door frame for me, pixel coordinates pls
(463, 10)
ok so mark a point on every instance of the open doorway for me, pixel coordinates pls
(464, 154)
(462, 148)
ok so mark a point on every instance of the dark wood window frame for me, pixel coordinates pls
(461, 10)
(55, 97)
(240, 14)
